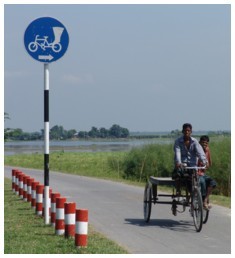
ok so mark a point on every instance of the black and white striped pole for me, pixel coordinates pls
(46, 144)
(46, 40)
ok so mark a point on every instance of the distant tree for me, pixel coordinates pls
(175, 132)
(115, 131)
(124, 133)
(6, 116)
(104, 133)
(6, 134)
(83, 134)
(35, 136)
(71, 133)
(118, 132)
(6, 130)
(94, 132)
(57, 132)
(15, 134)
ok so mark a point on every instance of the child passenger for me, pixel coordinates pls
(207, 183)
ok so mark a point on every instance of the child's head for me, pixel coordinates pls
(204, 140)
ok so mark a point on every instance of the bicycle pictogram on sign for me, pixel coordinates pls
(43, 42)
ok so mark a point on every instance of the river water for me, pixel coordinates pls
(12, 148)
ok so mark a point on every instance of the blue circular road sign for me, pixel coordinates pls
(46, 39)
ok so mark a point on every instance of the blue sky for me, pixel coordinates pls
(144, 67)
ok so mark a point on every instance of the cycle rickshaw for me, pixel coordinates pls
(186, 193)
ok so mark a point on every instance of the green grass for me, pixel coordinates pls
(221, 200)
(26, 233)
(98, 164)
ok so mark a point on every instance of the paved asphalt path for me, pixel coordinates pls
(116, 210)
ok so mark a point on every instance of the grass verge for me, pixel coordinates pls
(26, 233)
(78, 163)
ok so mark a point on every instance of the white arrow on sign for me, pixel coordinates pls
(48, 57)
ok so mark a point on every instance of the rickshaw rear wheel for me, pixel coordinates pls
(147, 202)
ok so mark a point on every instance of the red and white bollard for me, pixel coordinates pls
(81, 228)
(59, 222)
(21, 185)
(33, 195)
(69, 212)
(13, 173)
(39, 199)
(29, 188)
(53, 207)
(17, 174)
(25, 187)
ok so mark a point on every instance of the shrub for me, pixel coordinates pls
(220, 170)
(153, 159)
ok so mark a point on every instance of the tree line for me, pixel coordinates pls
(115, 131)
(59, 133)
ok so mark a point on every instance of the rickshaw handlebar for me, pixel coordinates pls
(184, 165)
(204, 167)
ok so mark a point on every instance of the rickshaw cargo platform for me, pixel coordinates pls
(162, 180)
